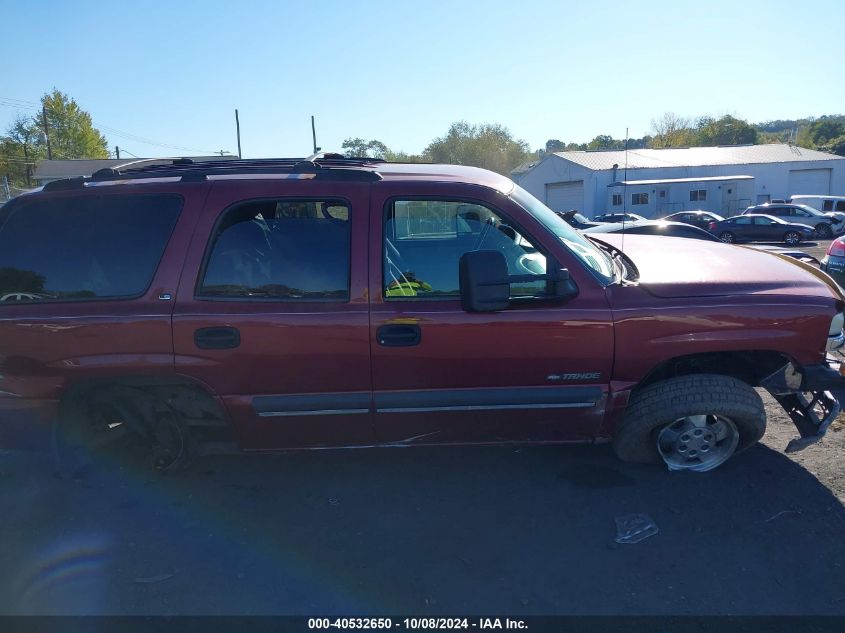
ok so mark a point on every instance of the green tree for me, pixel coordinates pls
(555, 145)
(359, 148)
(488, 145)
(671, 130)
(835, 146)
(824, 130)
(20, 148)
(605, 141)
(727, 130)
(72, 134)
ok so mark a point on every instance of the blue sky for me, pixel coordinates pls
(401, 72)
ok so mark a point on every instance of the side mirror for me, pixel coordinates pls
(484, 281)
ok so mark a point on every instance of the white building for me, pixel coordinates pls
(656, 182)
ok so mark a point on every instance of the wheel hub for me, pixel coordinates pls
(697, 442)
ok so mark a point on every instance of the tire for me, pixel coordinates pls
(727, 237)
(792, 237)
(660, 405)
(824, 231)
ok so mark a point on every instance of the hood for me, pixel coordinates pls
(676, 267)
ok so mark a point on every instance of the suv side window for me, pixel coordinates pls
(424, 241)
(840, 205)
(827, 205)
(280, 250)
(83, 247)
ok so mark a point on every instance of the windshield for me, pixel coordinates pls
(596, 261)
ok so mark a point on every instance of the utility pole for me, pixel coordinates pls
(47, 132)
(314, 134)
(238, 126)
(117, 152)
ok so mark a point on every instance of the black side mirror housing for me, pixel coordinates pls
(485, 286)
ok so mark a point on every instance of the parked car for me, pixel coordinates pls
(824, 204)
(826, 225)
(618, 217)
(655, 227)
(833, 263)
(760, 228)
(701, 219)
(577, 220)
(330, 302)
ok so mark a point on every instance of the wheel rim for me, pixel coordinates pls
(792, 238)
(697, 442)
(825, 231)
(727, 237)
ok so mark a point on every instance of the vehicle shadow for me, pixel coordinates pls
(458, 530)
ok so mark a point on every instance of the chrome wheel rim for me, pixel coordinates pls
(792, 238)
(697, 442)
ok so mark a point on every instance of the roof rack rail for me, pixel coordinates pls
(323, 166)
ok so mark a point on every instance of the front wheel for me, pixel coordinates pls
(727, 237)
(824, 231)
(694, 422)
(792, 237)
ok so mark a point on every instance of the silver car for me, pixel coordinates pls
(826, 224)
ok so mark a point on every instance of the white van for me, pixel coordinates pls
(825, 204)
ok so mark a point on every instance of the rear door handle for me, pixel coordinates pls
(217, 338)
(398, 335)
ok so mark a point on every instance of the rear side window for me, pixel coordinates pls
(294, 250)
(83, 247)
(828, 205)
(840, 205)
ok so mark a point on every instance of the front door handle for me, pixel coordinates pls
(217, 338)
(398, 335)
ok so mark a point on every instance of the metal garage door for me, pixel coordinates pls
(809, 181)
(563, 196)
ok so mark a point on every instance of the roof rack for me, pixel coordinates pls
(324, 166)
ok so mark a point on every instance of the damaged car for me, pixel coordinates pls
(312, 303)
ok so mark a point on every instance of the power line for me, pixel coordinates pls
(32, 103)
(20, 104)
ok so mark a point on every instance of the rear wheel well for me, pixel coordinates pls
(748, 366)
(182, 396)
(171, 418)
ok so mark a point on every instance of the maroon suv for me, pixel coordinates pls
(325, 302)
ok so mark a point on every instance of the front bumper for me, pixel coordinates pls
(806, 394)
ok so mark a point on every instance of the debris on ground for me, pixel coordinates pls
(149, 580)
(633, 528)
(781, 513)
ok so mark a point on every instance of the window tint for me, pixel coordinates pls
(827, 205)
(280, 249)
(840, 206)
(424, 241)
(83, 247)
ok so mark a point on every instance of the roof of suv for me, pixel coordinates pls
(318, 167)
